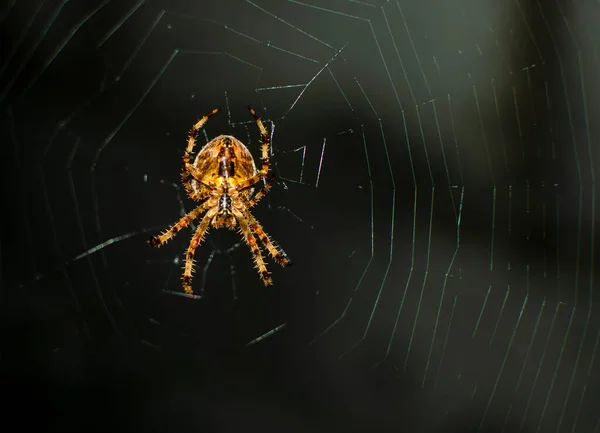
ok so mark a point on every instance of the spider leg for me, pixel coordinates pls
(188, 152)
(260, 194)
(193, 133)
(157, 241)
(187, 177)
(262, 173)
(251, 241)
(189, 256)
(276, 251)
(196, 174)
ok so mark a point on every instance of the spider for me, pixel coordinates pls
(223, 176)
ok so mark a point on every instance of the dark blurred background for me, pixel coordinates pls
(436, 167)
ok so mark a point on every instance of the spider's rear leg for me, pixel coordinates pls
(276, 252)
(262, 173)
(189, 256)
(251, 241)
(188, 169)
(194, 132)
(157, 241)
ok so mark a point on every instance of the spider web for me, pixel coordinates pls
(435, 189)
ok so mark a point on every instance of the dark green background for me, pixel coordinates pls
(443, 263)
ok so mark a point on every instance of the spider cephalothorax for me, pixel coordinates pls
(222, 176)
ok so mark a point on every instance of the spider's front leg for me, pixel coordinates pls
(189, 256)
(276, 251)
(251, 241)
(157, 241)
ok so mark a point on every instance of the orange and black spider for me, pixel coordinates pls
(222, 177)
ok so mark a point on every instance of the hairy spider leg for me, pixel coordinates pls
(188, 168)
(276, 251)
(197, 175)
(186, 179)
(251, 241)
(157, 241)
(196, 240)
(260, 194)
(262, 173)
